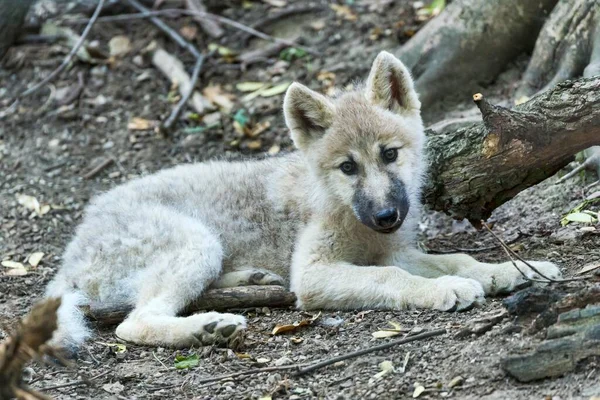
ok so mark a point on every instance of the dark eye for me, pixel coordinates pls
(390, 155)
(348, 167)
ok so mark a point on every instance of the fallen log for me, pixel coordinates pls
(474, 170)
(212, 299)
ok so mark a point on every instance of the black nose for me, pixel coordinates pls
(387, 218)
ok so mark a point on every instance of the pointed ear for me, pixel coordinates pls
(390, 85)
(307, 114)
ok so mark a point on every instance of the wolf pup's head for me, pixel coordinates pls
(365, 146)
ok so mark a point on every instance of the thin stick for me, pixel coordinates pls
(250, 372)
(176, 112)
(97, 169)
(301, 369)
(165, 28)
(69, 56)
(76, 383)
(511, 253)
(66, 61)
(173, 12)
(161, 363)
(168, 124)
(324, 363)
(473, 250)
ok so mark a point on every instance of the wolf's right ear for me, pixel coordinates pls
(390, 85)
(308, 114)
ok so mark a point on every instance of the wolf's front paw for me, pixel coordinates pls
(505, 278)
(218, 328)
(453, 293)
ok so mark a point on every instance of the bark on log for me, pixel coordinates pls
(213, 299)
(12, 16)
(476, 169)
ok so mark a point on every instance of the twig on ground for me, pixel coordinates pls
(261, 54)
(167, 125)
(279, 15)
(301, 369)
(165, 28)
(473, 250)
(80, 382)
(175, 12)
(96, 170)
(512, 255)
(65, 63)
(69, 57)
(212, 28)
(358, 353)
(176, 112)
(159, 361)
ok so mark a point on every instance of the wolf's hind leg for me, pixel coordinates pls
(170, 282)
(246, 277)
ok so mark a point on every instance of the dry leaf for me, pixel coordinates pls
(29, 202)
(386, 368)
(276, 3)
(189, 32)
(243, 355)
(35, 258)
(14, 268)
(258, 129)
(292, 327)
(254, 144)
(344, 12)
(457, 381)
(274, 150)
(215, 95)
(385, 334)
(396, 330)
(275, 90)
(418, 390)
(119, 46)
(589, 267)
(141, 124)
(250, 86)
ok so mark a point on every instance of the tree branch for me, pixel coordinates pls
(476, 169)
(212, 299)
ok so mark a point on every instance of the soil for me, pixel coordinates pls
(46, 149)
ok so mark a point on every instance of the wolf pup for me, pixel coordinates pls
(335, 220)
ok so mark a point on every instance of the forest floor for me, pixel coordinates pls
(47, 148)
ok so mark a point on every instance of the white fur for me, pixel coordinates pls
(158, 242)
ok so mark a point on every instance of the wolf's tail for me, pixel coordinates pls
(72, 328)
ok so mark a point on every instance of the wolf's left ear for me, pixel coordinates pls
(390, 85)
(308, 114)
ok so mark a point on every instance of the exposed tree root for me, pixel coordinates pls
(469, 44)
(568, 46)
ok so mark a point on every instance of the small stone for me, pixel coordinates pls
(282, 361)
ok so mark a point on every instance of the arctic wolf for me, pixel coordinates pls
(335, 221)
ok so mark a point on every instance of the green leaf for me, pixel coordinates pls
(275, 90)
(241, 117)
(183, 362)
(435, 7)
(292, 53)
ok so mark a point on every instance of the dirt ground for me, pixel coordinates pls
(47, 148)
